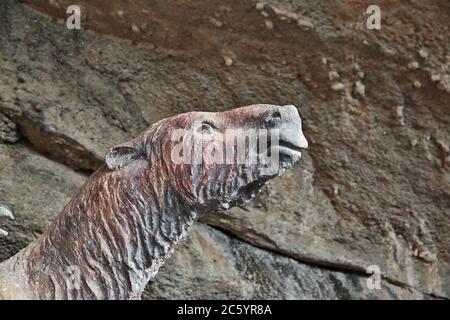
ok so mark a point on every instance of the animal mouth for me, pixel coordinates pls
(286, 148)
(290, 145)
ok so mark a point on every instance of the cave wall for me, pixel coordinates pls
(372, 189)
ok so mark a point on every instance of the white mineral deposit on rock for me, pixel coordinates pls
(335, 189)
(413, 65)
(305, 24)
(435, 77)
(360, 88)
(445, 147)
(228, 60)
(424, 53)
(333, 75)
(268, 24)
(215, 22)
(337, 86)
(259, 6)
(399, 112)
(135, 28)
(444, 83)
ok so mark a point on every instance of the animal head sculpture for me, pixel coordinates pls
(218, 160)
(114, 235)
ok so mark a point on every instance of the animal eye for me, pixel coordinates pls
(273, 119)
(207, 126)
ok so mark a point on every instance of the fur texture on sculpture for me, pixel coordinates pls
(113, 236)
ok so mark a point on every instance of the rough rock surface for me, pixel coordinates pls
(35, 189)
(213, 265)
(373, 189)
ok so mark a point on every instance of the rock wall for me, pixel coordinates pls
(373, 188)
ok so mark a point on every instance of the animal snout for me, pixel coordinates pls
(287, 120)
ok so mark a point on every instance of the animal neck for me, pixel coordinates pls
(111, 239)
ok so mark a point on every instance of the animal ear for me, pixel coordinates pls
(119, 156)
